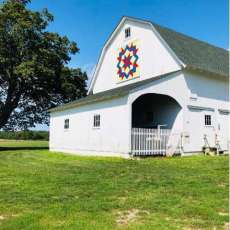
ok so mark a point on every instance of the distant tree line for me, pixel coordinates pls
(25, 135)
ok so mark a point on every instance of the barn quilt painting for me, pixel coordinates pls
(128, 62)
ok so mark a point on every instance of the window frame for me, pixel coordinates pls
(208, 120)
(66, 124)
(127, 32)
(97, 121)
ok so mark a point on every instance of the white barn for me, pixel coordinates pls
(154, 91)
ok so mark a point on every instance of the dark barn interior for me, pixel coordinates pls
(151, 110)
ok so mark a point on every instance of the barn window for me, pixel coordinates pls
(208, 120)
(127, 32)
(97, 121)
(66, 124)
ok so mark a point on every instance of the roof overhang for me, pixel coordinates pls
(109, 94)
(203, 71)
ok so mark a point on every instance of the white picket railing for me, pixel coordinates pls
(147, 142)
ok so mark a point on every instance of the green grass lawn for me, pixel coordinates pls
(22, 144)
(43, 190)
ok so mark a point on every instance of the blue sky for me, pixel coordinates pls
(90, 22)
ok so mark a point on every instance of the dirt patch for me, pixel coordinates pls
(226, 226)
(222, 185)
(123, 198)
(129, 216)
(223, 214)
(193, 229)
(4, 217)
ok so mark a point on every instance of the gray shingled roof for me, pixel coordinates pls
(108, 94)
(195, 53)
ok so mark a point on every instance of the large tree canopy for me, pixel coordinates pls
(33, 72)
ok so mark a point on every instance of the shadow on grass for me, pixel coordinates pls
(22, 148)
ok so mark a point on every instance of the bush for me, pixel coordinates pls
(25, 135)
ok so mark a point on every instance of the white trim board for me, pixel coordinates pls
(196, 107)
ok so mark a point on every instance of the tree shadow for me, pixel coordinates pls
(22, 148)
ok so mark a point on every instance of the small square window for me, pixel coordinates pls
(66, 124)
(97, 121)
(208, 120)
(127, 32)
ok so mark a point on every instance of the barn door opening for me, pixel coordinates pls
(153, 117)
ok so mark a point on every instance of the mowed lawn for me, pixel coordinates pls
(22, 144)
(44, 190)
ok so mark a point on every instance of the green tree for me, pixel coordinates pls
(33, 72)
